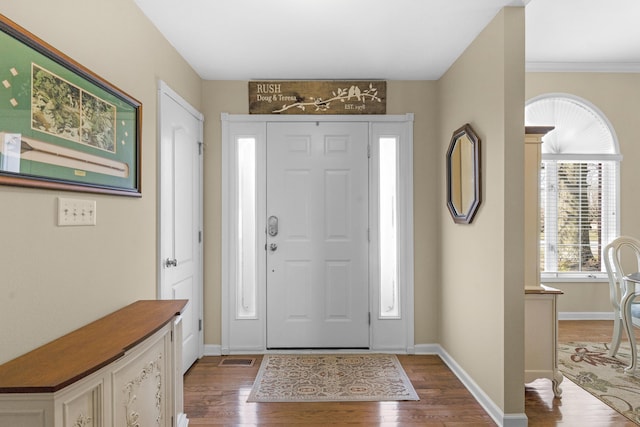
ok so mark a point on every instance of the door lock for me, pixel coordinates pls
(171, 262)
(272, 226)
(273, 247)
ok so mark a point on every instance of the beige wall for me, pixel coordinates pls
(482, 296)
(418, 97)
(217, 97)
(421, 98)
(55, 279)
(618, 97)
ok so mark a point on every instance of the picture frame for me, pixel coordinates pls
(62, 126)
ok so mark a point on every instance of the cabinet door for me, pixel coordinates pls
(141, 384)
(81, 406)
(16, 410)
(540, 336)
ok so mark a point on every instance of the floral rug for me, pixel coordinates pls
(589, 366)
(322, 378)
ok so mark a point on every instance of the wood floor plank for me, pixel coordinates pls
(216, 396)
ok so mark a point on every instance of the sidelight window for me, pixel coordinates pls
(246, 268)
(388, 214)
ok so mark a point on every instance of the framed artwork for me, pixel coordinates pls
(62, 126)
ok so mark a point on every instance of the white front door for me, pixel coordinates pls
(317, 235)
(180, 216)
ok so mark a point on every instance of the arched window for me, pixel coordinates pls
(579, 182)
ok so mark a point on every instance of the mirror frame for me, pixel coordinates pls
(467, 217)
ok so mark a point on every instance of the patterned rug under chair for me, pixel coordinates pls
(589, 366)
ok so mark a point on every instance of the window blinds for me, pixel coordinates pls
(578, 215)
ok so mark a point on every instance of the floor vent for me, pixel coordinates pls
(234, 361)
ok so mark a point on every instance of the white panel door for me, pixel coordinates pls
(317, 263)
(180, 217)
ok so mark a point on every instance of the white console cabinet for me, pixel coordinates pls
(541, 336)
(123, 370)
(540, 302)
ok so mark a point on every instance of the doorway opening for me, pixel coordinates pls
(317, 233)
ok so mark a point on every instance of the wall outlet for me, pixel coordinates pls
(76, 212)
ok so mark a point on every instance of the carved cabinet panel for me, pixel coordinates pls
(140, 386)
(81, 406)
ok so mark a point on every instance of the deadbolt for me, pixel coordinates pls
(272, 226)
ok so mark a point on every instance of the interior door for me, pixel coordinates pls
(181, 216)
(317, 235)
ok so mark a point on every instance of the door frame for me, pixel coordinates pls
(247, 334)
(164, 89)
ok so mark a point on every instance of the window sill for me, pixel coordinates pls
(575, 279)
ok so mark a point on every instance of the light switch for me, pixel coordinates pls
(76, 212)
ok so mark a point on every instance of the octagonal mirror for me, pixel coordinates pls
(463, 175)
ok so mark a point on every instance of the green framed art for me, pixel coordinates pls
(62, 126)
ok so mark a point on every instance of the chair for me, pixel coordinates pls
(614, 253)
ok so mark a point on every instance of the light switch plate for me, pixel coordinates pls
(76, 212)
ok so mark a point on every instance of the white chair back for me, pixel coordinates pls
(620, 251)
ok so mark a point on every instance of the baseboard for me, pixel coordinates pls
(182, 420)
(494, 411)
(586, 315)
(428, 349)
(515, 420)
(212, 350)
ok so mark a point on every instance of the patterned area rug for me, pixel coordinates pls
(589, 366)
(322, 378)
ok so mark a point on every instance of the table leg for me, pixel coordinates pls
(555, 382)
(628, 326)
(616, 337)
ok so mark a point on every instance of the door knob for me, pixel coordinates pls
(171, 262)
(273, 247)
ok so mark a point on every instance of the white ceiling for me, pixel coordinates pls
(384, 39)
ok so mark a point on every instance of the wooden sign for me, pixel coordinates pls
(318, 97)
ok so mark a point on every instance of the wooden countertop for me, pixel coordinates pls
(74, 356)
(542, 289)
(538, 130)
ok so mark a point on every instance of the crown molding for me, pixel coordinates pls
(583, 67)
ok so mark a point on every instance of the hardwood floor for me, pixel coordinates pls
(217, 396)
(577, 407)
